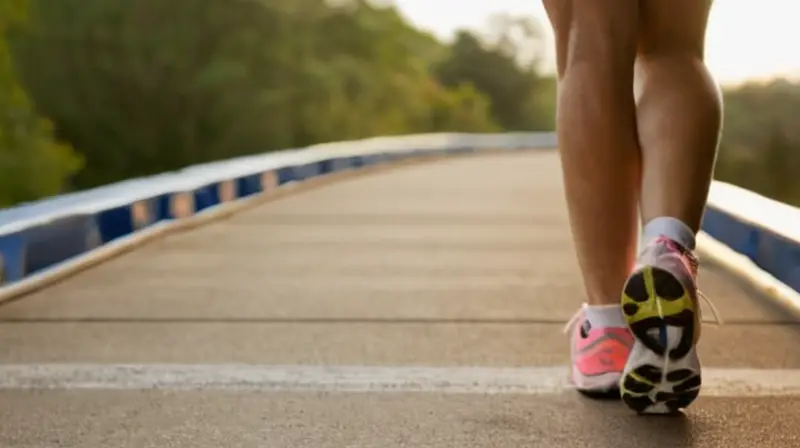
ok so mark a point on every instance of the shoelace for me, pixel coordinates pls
(694, 262)
(570, 326)
(717, 317)
(695, 265)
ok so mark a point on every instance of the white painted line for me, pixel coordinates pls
(743, 267)
(298, 378)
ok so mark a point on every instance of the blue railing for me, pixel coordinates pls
(42, 236)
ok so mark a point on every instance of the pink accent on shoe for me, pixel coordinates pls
(668, 255)
(599, 358)
(669, 246)
(604, 351)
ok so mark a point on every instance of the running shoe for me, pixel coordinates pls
(599, 354)
(660, 304)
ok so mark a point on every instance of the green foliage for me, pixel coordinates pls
(146, 86)
(32, 163)
(521, 100)
(760, 147)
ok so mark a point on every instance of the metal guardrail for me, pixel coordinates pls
(51, 233)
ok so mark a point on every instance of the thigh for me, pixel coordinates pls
(599, 32)
(673, 26)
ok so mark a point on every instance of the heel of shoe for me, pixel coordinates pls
(662, 374)
(652, 300)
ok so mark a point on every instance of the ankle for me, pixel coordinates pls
(672, 228)
(603, 316)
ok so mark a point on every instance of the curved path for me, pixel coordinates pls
(436, 294)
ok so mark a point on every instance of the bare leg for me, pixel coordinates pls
(678, 115)
(679, 110)
(596, 47)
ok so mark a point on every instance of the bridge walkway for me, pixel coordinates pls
(425, 284)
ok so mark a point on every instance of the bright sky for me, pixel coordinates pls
(745, 37)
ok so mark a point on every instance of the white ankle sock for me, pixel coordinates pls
(604, 316)
(671, 228)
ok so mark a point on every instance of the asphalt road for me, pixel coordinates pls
(216, 337)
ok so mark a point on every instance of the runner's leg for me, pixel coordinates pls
(596, 124)
(678, 110)
(678, 113)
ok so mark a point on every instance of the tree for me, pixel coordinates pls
(32, 163)
(504, 65)
(760, 147)
(779, 167)
(156, 85)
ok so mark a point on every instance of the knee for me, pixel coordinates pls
(603, 53)
(680, 44)
(674, 64)
(669, 56)
(598, 62)
(595, 35)
(674, 71)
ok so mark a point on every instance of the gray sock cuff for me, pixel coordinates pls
(604, 316)
(672, 228)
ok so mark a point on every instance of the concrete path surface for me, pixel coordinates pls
(419, 307)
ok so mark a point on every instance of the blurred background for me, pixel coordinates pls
(96, 91)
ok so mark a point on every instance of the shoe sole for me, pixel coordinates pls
(601, 394)
(604, 386)
(662, 374)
